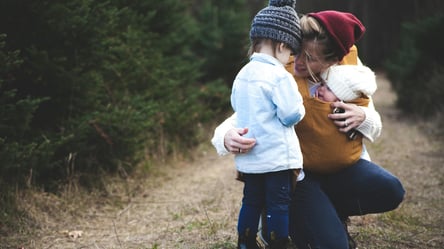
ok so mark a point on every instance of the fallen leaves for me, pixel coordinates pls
(74, 234)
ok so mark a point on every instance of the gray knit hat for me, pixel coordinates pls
(279, 22)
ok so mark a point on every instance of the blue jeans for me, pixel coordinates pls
(321, 203)
(269, 191)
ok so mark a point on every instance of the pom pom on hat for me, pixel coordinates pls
(344, 28)
(278, 21)
(282, 3)
(349, 82)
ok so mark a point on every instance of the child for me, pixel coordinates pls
(266, 99)
(323, 144)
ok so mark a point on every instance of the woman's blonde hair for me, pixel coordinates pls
(313, 31)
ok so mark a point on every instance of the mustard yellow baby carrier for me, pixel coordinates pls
(324, 148)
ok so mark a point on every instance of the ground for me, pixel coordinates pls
(194, 204)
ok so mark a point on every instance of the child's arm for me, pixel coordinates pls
(288, 100)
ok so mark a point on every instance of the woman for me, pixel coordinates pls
(322, 202)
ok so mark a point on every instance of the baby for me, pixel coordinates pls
(321, 142)
(348, 83)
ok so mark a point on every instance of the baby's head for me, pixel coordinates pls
(278, 22)
(349, 82)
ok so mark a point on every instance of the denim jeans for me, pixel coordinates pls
(321, 203)
(269, 191)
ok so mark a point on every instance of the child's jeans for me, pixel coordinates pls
(269, 191)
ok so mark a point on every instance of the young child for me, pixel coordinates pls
(267, 101)
(323, 144)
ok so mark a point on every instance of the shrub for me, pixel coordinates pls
(417, 69)
(98, 86)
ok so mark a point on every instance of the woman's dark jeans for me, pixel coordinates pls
(321, 203)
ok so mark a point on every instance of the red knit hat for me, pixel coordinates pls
(344, 28)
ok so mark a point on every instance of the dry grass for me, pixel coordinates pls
(416, 158)
(194, 204)
(184, 205)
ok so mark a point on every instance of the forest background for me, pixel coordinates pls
(91, 89)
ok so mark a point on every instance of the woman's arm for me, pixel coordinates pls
(372, 125)
(228, 139)
(364, 119)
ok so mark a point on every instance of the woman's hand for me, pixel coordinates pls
(352, 117)
(235, 143)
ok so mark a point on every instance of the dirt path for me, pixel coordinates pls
(195, 205)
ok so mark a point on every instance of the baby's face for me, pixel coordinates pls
(325, 94)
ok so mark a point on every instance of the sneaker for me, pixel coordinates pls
(261, 231)
(260, 240)
(351, 241)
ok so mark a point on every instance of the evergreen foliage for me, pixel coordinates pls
(97, 86)
(227, 34)
(16, 114)
(417, 69)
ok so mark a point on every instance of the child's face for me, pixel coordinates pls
(325, 94)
